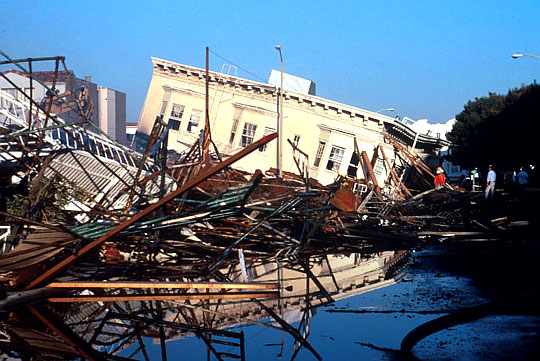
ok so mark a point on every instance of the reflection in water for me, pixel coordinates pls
(120, 321)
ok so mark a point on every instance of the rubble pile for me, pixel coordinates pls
(134, 235)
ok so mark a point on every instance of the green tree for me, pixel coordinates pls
(498, 130)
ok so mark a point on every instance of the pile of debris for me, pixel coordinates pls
(88, 220)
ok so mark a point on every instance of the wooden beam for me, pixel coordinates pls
(415, 161)
(365, 159)
(394, 175)
(172, 285)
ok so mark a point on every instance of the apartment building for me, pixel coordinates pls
(242, 111)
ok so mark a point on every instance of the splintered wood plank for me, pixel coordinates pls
(37, 247)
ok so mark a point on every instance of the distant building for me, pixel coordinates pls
(439, 130)
(243, 111)
(291, 82)
(109, 106)
(112, 113)
(131, 129)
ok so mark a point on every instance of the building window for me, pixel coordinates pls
(248, 134)
(233, 131)
(353, 165)
(379, 167)
(267, 131)
(177, 111)
(334, 160)
(12, 91)
(296, 140)
(319, 154)
(194, 120)
(174, 124)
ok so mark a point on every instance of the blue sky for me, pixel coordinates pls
(426, 59)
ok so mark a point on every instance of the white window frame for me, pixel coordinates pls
(319, 154)
(248, 134)
(379, 166)
(194, 120)
(336, 157)
(177, 111)
(234, 129)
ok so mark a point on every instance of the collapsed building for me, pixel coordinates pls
(153, 246)
(331, 135)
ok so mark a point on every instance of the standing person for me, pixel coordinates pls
(490, 183)
(440, 179)
(522, 177)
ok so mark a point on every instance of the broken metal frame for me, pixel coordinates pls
(280, 210)
(151, 208)
(46, 112)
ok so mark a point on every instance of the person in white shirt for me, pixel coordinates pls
(490, 183)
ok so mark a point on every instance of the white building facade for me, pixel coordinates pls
(112, 113)
(439, 130)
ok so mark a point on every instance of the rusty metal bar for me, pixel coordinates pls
(189, 185)
(26, 221)
(12, 61)
(39, 81)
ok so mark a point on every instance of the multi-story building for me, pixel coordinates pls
(112, 113)
(107, 107)
(242, 111)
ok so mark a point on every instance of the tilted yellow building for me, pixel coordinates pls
(242, 111)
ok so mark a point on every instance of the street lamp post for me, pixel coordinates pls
(279, 164)
(515, 56)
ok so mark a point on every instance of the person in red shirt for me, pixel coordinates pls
(440, 179)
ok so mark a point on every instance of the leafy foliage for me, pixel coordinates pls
(498, 130)
(52, 196)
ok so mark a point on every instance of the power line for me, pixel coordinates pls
(238, 66)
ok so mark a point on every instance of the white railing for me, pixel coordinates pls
(5, 233)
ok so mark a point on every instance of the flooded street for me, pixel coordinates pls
(371, 323)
